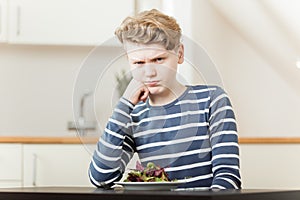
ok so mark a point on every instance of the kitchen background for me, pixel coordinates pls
(254, 44)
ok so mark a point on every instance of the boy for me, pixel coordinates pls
(188, 130)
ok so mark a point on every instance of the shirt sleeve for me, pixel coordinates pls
(114, 149)
(224, 142)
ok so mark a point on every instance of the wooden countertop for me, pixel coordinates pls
(270, 140)
(92, 140)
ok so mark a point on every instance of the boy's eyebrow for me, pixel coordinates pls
(159, 55)
(152, 58)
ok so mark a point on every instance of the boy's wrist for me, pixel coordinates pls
(127, 102)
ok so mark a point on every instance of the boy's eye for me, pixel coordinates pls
(159, 60)
(138, 63)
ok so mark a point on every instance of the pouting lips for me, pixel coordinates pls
(152, 83)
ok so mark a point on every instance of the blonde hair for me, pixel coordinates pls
(150, 27)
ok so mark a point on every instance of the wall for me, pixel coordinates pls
(36, 84)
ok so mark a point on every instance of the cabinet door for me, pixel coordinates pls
(3, 20)
(10, 184)
(70, 22)
(10, 165)
(56, 165)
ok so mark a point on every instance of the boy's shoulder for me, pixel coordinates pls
(205, 88)
(207, 91)
(197, 87)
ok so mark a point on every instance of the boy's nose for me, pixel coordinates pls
(150, 70)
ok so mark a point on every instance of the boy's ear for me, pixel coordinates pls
(180, 54)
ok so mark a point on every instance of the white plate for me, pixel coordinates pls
(149, 185)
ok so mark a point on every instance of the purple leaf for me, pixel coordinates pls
(139, 166)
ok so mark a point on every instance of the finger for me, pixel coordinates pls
(144, 95)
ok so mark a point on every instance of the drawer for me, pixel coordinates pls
(10, 162)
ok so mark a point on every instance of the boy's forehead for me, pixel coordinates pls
(129, 46)
(140, 50)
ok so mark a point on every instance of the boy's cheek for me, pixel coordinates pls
(137, 75)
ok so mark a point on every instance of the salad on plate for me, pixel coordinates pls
(150, 173)
(151, 177)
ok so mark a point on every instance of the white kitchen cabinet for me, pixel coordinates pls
(65, 22)
(10, 165)
(10, 184)
(3, 20)
(55, 165)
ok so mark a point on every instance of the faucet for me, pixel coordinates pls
(84, 96)
(82, 125)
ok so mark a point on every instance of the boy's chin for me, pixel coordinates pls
(156, 90)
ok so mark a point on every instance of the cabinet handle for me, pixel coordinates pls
(18, 20)
(34, 173)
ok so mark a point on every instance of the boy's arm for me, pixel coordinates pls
(224, 142)
(114, 149)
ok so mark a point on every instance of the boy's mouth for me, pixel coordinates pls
(151, 83)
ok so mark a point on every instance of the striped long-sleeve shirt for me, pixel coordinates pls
(194, 138)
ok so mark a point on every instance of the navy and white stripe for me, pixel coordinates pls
(194, 138)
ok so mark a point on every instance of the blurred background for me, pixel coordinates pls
(46, 46)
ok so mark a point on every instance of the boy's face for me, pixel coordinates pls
(154, 66)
